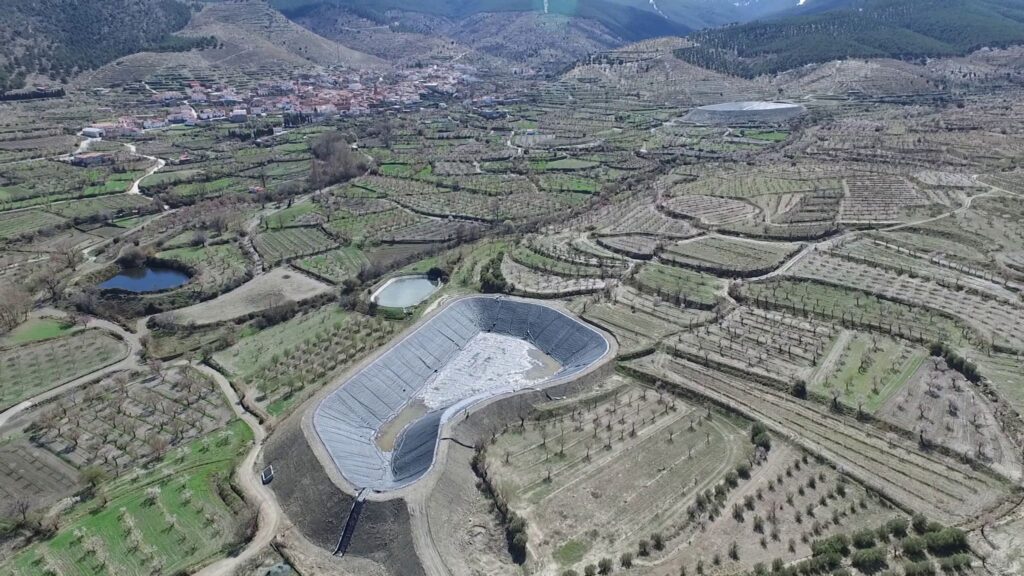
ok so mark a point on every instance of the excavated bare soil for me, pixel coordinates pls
(317, 507)
(383, 536)
(462, 523)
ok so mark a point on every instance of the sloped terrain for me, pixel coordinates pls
(61, 37)
(548, 36)
(906, 29)
(265, 34)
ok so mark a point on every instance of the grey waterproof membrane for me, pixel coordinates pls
(350, 418)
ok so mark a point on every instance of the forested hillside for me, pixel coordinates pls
(904, 29)
(60, 37)
(627, 22)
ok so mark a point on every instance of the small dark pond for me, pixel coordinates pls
(146, 279)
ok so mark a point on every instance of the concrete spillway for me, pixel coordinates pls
(471, 350)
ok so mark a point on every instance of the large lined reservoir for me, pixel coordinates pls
(471, 350)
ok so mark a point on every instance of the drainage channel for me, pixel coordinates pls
(350, 525)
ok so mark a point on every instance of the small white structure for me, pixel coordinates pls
(238, 116)
(93, 132)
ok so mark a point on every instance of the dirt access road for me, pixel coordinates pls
(270, 519)
(159, 164)
(129, 362)
(828, 243)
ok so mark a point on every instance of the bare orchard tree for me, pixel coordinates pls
(51, 280)
(158, 444)
(15, 304)
(156, 367)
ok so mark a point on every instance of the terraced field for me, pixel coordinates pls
(867, 370)
(940, 487)
(711, 210)
(730, 257)
(996, 320)
(639, 321)
(218, 265)
(853, 308)
(543, 468)
(773, 344)
(543, 263)
(683, 287)
(335, 265)
(644, 219)
(878, 198)
(29, 369)
(15, 224)
(530, 282)
(287, 243)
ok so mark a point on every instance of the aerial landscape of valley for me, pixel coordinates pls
(511, 287)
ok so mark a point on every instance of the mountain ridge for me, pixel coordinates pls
(843, 29)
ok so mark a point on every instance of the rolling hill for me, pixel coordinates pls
(58, 38)
(501, 34)
(627, 22)
(841, 29)
(260, 34)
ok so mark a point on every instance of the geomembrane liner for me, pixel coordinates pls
(349, 418)
(744, 112)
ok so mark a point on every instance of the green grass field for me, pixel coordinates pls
(164, 520)
(668, 281)
(165, 178)
(246, 356)
(465, 274)
(17, 223)
(398, 170)
(288, 216)
(335, 265)
(39, 366)
(766, 135)
(568, 183)
(35, 330)
(544, 263)
(211, 188)
(571, 552)
(227, 254)
(871, 374)
(131, 222)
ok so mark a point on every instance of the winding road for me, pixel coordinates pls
(270, 518)
(830, 242)
(129, 362)
(160, 163)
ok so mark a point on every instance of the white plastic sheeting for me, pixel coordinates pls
(349, 418)
(744, 112)
(488, 362)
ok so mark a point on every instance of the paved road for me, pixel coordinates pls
(270, 515)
